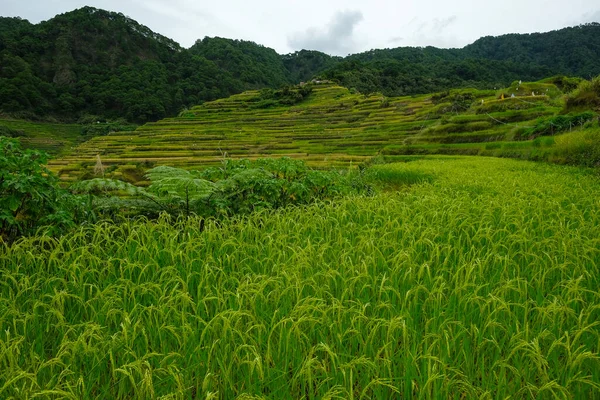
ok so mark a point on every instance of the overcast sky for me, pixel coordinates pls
(335, 27)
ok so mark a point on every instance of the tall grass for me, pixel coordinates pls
(479, 283)
(586, 96)
(579, 148)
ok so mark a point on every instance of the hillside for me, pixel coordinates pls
(488, 62)
(334, 126)
(49, 137)
(255, 65)
(94, 62)
(91, 62)
(572, 51)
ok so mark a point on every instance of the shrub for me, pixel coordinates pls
(461, 128)
(286, 96)
(543, 141)
(104, 128)
(564, 83)
(30, 197)
(586, 96)
(236, 187)
(453, 103)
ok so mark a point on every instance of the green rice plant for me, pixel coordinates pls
(392, 179)
(480, 283)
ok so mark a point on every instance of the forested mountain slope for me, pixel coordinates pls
(487, 63)
(91, 62)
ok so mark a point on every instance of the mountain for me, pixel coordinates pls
(569, 51)
(255, 65)
(91, 63)
(95, 62)
(304, 64)
(488, 62)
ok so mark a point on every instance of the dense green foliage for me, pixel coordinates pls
(480, 284)
(236, 187)
(569, 51)
(489, 62)
(254, 65)
(286, 96)
(304, 64)
(586, 96)
(104, 128)
(91, 61)
(30, 197)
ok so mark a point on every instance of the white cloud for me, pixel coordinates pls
(435, 32)
(592, 16)
(336, 38)
(286, 25)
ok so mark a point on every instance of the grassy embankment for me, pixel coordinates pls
(481, 282)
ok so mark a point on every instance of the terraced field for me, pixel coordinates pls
(53, 138)
(332, 127)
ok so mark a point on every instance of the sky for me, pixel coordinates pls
(337, 27)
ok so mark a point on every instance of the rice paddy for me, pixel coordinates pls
(332, 127)
(478, 280)
(53, 138)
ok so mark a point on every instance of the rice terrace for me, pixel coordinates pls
(367, 227)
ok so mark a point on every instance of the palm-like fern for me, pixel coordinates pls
(237, 187)
(180, 189)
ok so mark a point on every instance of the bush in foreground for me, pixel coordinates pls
(30, 197)
(586, 96)
(237, 187)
